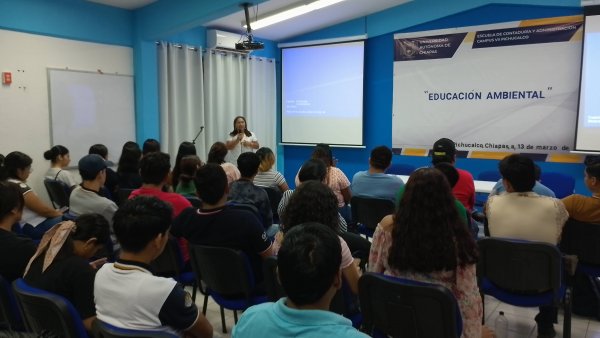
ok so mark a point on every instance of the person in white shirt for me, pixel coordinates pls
(240, 139)
(59, 159)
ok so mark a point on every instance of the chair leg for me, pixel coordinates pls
(482, 308)
(223, 320)
(205, 305)
(235, 319)
(568, 311)
(194, 286)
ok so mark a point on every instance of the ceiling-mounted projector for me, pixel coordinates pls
(249, 43)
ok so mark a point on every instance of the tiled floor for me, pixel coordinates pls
(521, 323)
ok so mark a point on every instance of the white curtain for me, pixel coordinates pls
(235, 85)
(180, 97)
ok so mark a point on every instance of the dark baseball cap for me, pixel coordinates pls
(444, 147)
(92, 164)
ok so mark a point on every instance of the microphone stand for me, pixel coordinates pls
(198, 135)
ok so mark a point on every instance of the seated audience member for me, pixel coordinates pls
(218, 224)
(37, 216)
(313, 201)
(584, 208)
(188, 167)
(128, 170)
(375, 183)
(268, 177)
(127, 294)
(452, 176)
(216, 155)
(538, 188)
(243, 191)
(14, 250)
(185, 149)
(154, 169)
(86, 197)
(335, 179)
(314, 169)
(522, 214)
(59, 159)
(444, 150)
(308, 268)
(150, 146)
(112, 179)
(425, 240)
(61, 263)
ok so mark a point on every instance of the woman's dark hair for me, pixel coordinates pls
(87, 226)
(323, 152)
(235, 131)
(99, 149)
(185, 149)
(189, 165)
(54, 152)
(428, 234)
(10, 198)
(217, 153)
(267, 159)
(150, 146)
(593, 170)
(129, 162)
(314, 169)
(13, 162)
(312, 201)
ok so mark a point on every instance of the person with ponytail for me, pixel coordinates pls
(37, 215)
(61, 263)
(59, 158)
(19, 249)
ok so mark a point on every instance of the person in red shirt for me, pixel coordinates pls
(154, 169)
(444, 150)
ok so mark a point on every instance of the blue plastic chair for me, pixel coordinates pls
(105, 330)
(523, 273)
(10, 314)
(562, 185)
(228, 276)
(400, 169)
(43, 310)
(401, 307)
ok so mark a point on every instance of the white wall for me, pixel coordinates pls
(24, 112)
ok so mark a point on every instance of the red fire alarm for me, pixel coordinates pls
(6, 78)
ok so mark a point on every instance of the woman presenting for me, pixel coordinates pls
(240, 140)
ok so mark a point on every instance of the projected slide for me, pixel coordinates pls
(322, 94)
(588, 124)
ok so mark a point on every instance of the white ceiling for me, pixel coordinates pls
(125, 4)
(338, 13)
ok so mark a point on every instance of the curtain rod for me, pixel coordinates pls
(220, 51)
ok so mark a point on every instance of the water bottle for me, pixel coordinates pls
(501, 326)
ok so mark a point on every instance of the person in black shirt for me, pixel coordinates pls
(15, 251)
(61, 263)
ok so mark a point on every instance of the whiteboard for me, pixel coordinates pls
(88, 108)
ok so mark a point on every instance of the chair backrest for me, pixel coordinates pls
(370, 211)
(581, 239)
(57, 190)
(562, 185)
(400, 169)
(168, 263)
(248, 207)
(10, 315)
(123, 195)
(405, 308)
(105, 330)
(224, 271)
(274, 198)
(43, 310)
(490, 175)
(272, 286)
(519, 266)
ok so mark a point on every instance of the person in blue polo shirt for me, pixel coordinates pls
(309, 270)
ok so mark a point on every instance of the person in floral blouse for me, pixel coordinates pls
(425, 240)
